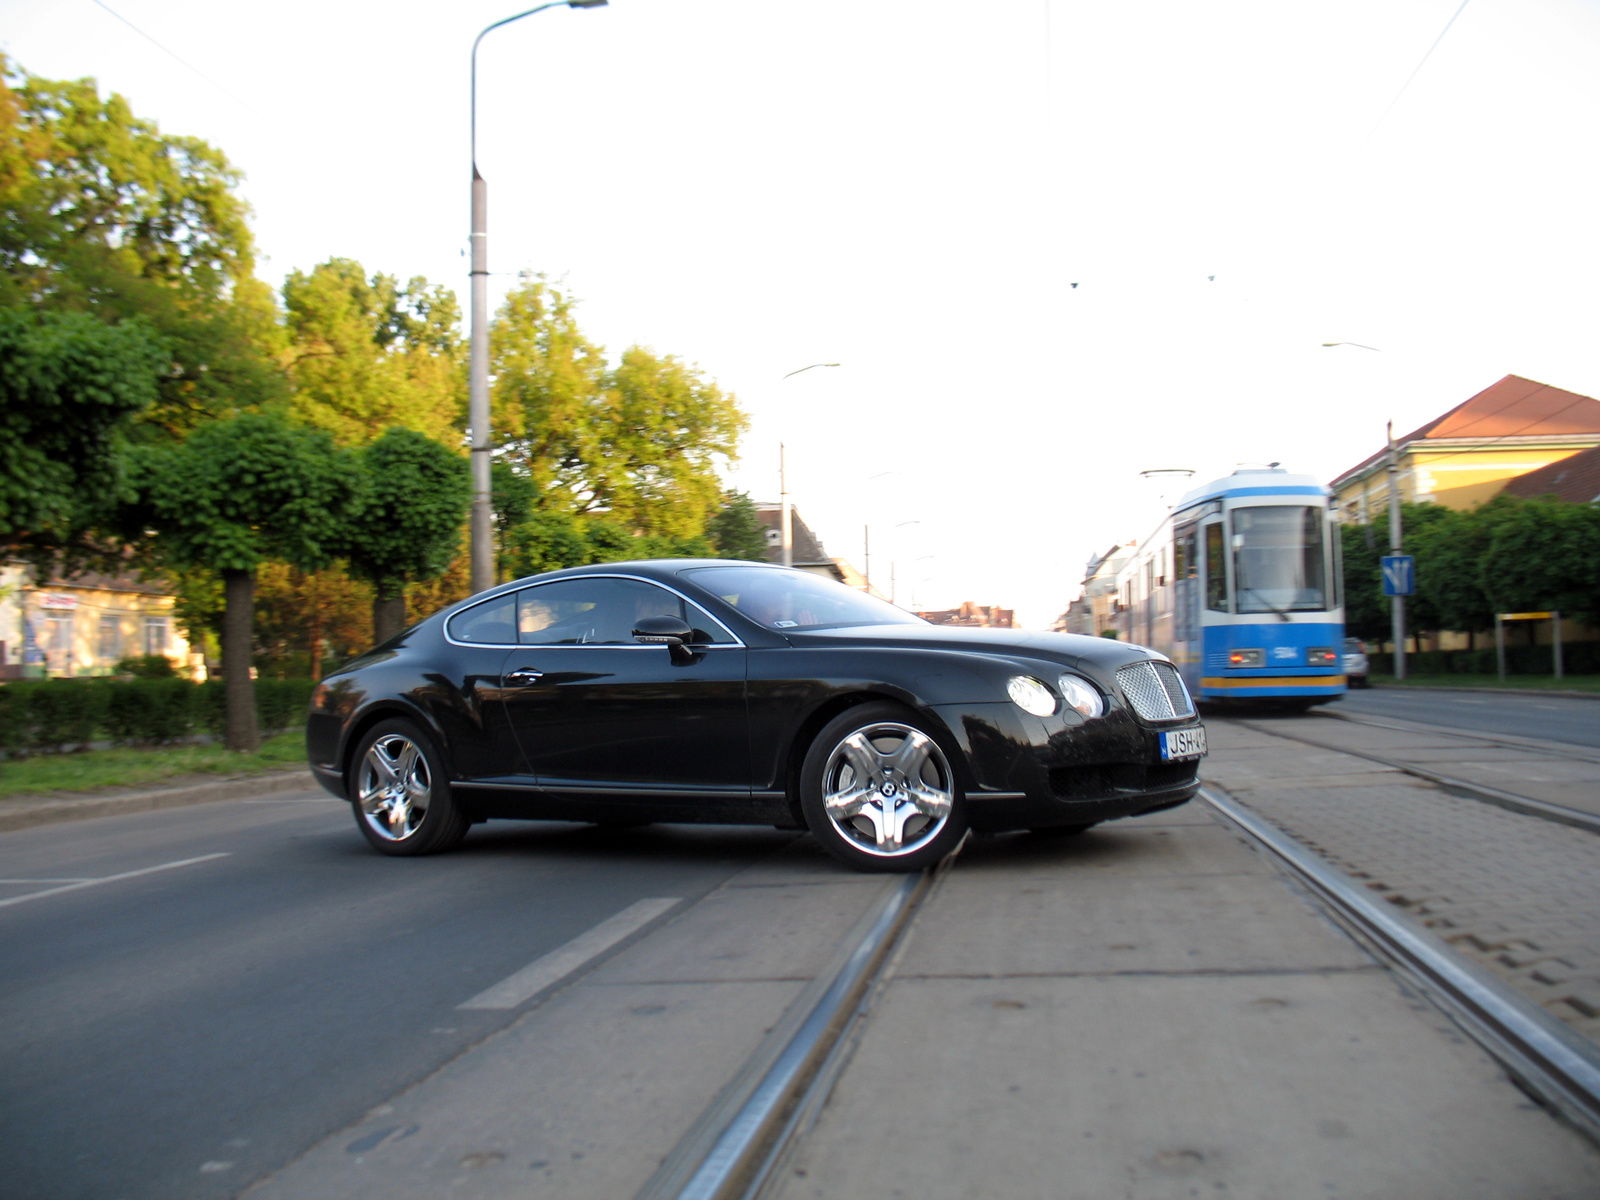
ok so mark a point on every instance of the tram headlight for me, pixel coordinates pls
(1246, 658)
(1028, 694)
(1080, 696)
(1320, 656)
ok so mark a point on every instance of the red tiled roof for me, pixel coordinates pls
(1575, 479)
(1514, 407)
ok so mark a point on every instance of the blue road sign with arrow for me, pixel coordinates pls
(1399, 575)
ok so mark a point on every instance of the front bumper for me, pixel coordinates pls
(331, 779)
(1033, 772)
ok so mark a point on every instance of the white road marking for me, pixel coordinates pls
(564, 960)
(89, 883)
(17, 881)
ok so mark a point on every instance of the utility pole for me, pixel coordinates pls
(1399, 602)
(481, 526)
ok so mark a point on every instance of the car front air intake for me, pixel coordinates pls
(1156, 691)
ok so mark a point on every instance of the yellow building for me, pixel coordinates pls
(70, 629)
(1470, 453)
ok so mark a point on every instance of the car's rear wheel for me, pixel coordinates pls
(879, 793)
(402, 799)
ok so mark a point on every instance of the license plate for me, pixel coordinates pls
(1184, 743)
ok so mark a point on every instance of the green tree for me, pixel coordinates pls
(1541, 555)
(69, 388)
(235, 494)
(1368, 613)
(102, 213)
(1449, 551)
(736, 530)
(637, 444)
(366, 354)
(407, 527)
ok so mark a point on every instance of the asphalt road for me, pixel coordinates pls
(181, 1032)
(1554, 718)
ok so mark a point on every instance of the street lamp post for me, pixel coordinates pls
(478, 358)
(786, 521)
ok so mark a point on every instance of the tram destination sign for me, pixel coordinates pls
(1399, 574)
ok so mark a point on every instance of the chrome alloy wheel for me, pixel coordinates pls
(394, 787)
(888, 789)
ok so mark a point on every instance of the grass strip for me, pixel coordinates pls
(130, 766)
(1531, 683)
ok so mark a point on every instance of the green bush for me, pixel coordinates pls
(282, 704)
(146, 666)
(150, 711)
(52, 715)
(1577, 658)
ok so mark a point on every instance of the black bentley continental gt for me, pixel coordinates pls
(716, 691)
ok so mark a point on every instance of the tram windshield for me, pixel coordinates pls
(1278, 561)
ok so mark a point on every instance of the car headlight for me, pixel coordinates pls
(1081, 696)
(1028, 694)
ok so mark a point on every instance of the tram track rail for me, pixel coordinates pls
(1512, 801)
(731, 1150)
(1555, 1065)
(1504, 741)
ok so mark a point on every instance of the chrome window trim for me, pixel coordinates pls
(736, 644)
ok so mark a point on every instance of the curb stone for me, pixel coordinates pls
(25, 812)
(1493, 691)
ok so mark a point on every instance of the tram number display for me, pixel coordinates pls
(1184, 743)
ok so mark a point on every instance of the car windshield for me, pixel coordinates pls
(1277, 558)
(782, 599)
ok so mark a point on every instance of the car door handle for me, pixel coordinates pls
(521, 678)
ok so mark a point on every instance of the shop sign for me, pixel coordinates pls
(57, 600)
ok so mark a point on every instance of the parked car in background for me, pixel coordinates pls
(1355, 663)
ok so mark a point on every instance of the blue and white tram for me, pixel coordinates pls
(1240, 587)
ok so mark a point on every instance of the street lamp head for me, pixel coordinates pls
(587, 3)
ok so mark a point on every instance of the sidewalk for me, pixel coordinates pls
(1150, 1011)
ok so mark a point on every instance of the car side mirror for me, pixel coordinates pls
(671, 632)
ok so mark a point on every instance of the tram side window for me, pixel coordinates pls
(1216, 569)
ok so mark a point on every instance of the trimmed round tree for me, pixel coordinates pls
(236, 494)
(415, 495)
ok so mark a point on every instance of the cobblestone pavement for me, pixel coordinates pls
(1518, 894)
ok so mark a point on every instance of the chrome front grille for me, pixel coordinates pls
(1156, 691)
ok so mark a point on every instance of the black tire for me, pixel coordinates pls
(894, 748)
(400, 793)
(1063, 831)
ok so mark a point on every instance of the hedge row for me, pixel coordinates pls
(49, 715)
(1577, 658)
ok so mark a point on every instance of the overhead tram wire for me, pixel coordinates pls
(1416, 70)
(180, 59)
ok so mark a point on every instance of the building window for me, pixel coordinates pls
(156, 632)
(110, 637)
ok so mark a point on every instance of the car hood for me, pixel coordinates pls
(1069, 648)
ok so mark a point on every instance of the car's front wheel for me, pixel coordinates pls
(402, 799)
(879, 793)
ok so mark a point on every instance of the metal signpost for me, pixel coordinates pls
(1500, 637)
(1399, 604)
(1399, 581)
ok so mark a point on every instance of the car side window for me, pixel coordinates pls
(491, 623)
(598, 610)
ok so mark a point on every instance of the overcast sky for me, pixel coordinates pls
(911, 187)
